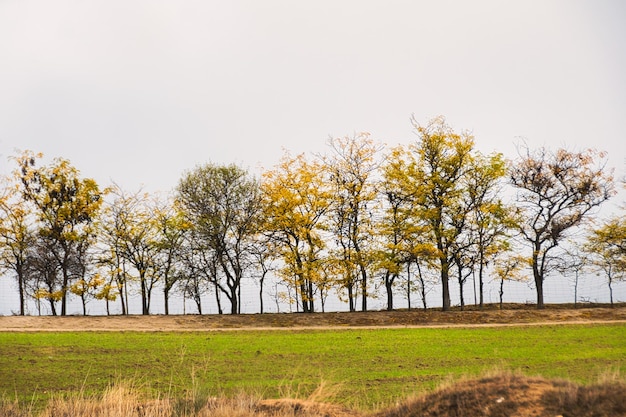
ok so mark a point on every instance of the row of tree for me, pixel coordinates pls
(354, 220)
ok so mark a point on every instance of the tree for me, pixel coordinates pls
(222, 203)
(556, 191)
(110, 233)
(86, 284)
(576, 261)
(45, 281)
(425, 277)
(351, 167)
(435, 167)
(296, 200)
(401, 234)
(490, 221)
(65, 206)
(263, 252)
(507, 268)
(607, 247)
(17, 239)
(131, 233)
(171, 230)
(197, 270)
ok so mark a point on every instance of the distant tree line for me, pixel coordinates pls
(361, 221)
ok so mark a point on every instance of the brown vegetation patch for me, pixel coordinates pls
(517, 396)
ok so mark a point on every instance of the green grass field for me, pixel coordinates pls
(363, 368)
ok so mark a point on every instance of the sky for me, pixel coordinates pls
(137, 92)
(140, 91)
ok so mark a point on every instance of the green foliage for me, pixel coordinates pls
(222, 206)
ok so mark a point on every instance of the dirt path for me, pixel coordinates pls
(395, 319)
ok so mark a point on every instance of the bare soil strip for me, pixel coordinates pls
(319, 321)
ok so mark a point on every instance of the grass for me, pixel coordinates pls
(367, 368)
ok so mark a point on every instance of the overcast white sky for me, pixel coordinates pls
(139, 91)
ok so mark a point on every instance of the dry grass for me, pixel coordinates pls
(125, 400)
(494, 395)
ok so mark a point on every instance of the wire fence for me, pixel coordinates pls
(277, 298)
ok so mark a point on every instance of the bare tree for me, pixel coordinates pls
(556, 191)
(574, 261)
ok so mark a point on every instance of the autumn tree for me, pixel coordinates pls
(17, 239)
(490, 221)
(111, 259)
(171, 227)
(351, 167)
(607, 247)
(434, 171)
(131, 234)
(393, 252)
(555, 192)
(222, 205)
(87, 283)
(508, 267)
(65, 205)
(296, 201)
(401, 235)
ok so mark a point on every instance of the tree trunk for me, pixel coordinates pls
(445, 285)
(217, 298)
(53, 308)
(198, 301)
(481, 284)
(144, 297)
(388, 287)
(166, 296)
(234, 302)
(121, 292)
(422, 285)
(538, 277)
(261, 293)
(20, 284)
(611, 289)
(310, 300)
(539, 285)
(64, 299)
(304, 297)
(351, 298)
(408, 285)
(461, 294)
(363, 288)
